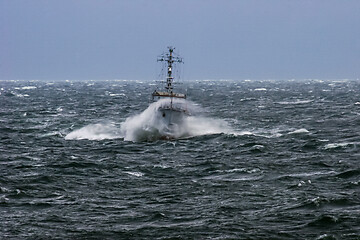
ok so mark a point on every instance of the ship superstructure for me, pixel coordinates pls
(170, 59)
(172, 108)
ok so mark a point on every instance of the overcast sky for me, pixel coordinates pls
(218, 39)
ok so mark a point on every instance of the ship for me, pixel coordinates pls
(172, 107)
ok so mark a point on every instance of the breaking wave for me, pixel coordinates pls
(149, 126)
(98, 131)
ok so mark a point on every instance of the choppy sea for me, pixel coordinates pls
(261, 160)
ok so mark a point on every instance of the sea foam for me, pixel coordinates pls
(148, 125)
(98, 131)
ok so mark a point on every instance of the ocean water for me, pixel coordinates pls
(259, 160)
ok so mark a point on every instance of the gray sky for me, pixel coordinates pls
(219, 39)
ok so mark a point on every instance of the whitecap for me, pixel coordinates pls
(28, 87)
(301, 130)
(244, 170)
(54, 133)
(236, 170)
(197, 126)
(98, 131)
(268, 133)
(260, 89)
(136, 174)
(116, 94)
(22, 95)
(294, 102)
(4, 190)
(337, 145)
(242, 133)
(3, 199)
(163, 166)
(301, 183)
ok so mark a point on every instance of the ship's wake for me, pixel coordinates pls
(149, 125)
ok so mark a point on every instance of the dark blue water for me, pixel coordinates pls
(265, 160)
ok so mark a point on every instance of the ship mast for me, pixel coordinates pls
(170, 59)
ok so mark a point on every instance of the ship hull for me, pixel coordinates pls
(173, 121)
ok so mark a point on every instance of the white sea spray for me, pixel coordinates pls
(148, 125)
